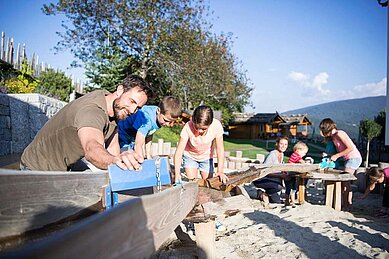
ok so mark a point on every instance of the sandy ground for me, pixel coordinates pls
(310, 230)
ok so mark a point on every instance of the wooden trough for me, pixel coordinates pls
(32, 201)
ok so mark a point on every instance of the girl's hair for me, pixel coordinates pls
(202, 115)
(300, 146)
(326, 126)
(375, 173)
(280, 138)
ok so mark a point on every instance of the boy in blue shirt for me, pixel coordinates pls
(139, 128)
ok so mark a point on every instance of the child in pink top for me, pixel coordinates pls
(345, 148)
(196, 146)
(300, 149)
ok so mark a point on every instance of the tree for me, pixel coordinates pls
(168, 42)
(381, 120)
(369, 129)
(55, 84)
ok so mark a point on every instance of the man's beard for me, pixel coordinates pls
(116, 110)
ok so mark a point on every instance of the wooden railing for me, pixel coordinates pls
(230, 162)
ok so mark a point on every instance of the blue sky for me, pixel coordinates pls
(296, 53)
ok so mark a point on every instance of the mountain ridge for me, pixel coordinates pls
(346, 113)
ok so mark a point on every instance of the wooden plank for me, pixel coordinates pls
(247, 175)
(329, 193)
(338, 196)
(205, 239)
(242, 160)
(31, 200)
(331, 176)
(133, 229)
(301, 190)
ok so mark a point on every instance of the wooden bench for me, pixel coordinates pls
(334, 179)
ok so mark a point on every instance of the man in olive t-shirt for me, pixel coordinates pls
(87, 127)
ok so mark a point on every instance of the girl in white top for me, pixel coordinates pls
(196, 146)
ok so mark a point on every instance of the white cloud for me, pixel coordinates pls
(312, 87)
(298, 77)
(369, 89)
(316, 89)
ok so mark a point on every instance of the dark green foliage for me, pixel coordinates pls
(55, 84)
(168, 42)
(369, 129)
(381, 120)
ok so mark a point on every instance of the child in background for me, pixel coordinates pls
(139, 128)
(378, 175)
(196, 146)
(272, 184)
(300, 149)
(345, 148)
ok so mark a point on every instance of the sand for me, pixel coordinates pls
(310, 230)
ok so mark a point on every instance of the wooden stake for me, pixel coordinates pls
(205, 239)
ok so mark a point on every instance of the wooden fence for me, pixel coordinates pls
(16, 58)
(230, 162)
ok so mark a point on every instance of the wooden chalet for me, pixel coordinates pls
(268, 125)
(254, 126)
(296, 125)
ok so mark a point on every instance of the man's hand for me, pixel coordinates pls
(129, 160)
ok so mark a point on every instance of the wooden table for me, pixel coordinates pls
(334, 179)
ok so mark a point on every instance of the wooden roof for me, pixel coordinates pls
(296, 119)
(269, 118)
(252, 118)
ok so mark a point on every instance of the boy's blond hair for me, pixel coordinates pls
(300, 146)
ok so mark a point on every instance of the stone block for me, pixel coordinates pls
(5, 134)
(4, 110)
(5, 122)
(4, 99)
(5, 147)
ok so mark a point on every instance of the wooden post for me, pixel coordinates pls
(329, 193)
(205, 239)
(172, 151)
(166, 148)
(160, 146)
(301, 190)
(338, 196)
(238, 165)
(7, 58)
(260, 157)
(2, 50)
(154, 149)
(231, 165)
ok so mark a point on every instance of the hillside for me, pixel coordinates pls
(347, 113)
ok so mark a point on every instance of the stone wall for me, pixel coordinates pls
(21, 117)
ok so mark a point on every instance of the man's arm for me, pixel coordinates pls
(113, 146)
(92, 141)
